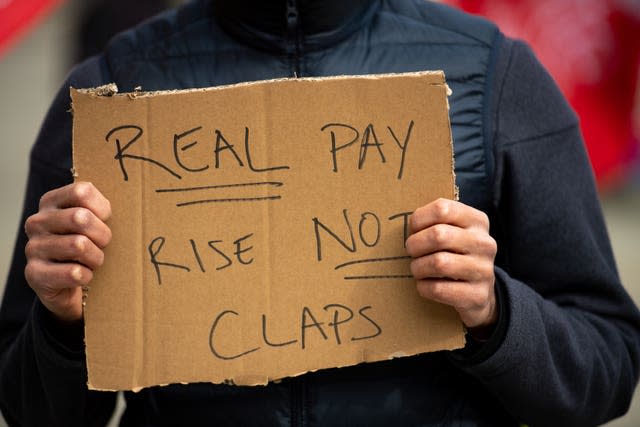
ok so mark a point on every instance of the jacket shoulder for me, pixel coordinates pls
(457, 25)
(169, 34)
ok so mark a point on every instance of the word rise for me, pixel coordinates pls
(221, 256)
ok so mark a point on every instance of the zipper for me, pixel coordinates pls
(298, 399)
(294, 38)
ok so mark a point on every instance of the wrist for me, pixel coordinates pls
(481, 334)
(66, 335)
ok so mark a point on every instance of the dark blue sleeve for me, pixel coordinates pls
(568, 348)
(42, 368)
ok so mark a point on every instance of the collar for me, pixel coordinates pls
(292, 26)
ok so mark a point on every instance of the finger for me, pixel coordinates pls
(78, 194)
(47, 278)
(73, 247)
(453, 266)
(445, 237)
(69, 221)
(445, 211)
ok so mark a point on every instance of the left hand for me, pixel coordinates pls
(453, 260)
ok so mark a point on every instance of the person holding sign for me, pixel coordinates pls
(523, 257)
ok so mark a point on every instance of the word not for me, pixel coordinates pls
(368, 220)
(221, 258)
(369, 140)
(338, 315)
(130, 134)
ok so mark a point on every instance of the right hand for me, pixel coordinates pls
(66, 239)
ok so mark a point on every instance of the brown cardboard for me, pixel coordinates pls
(284, 257)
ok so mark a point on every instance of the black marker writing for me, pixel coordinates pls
(250, 162)
(367, 217)
(176, 153)
(405, 216)
(219, 256)
(336, 322)
(402, 147)
(369, 134)
(120, 149)
(212, 333)
(154, 249)
(373, 323)
(361, 325)
(369, 260)
(343, 136)
(317, 225)
(266, 340)
(126, 136)
(219, 147)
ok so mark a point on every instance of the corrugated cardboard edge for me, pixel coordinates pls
(111, 89)
(103, 90)
(456, 189)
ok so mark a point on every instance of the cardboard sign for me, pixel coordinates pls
(259, 229)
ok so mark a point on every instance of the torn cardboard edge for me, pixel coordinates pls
(164, 114)
(111, 89)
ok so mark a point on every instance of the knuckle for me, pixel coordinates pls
(81, 217)
(79, 244)
(483, 219)
(441, 209)
(441, 261)
(479, 298)
(488, 245)
(32, 274)
(82, 191)
(438, 290)
(107, 236)
(75, 275)
(44, 199)
(439, 234)
(492, 245)
(30, 249)
(489, 275)
(32, 224)
(485, 243)
(477, 274)
(99, 258)
(29, 273)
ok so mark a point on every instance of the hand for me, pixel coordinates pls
(66, 238)
(453, 260)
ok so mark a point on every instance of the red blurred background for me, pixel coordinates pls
(592, 49)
